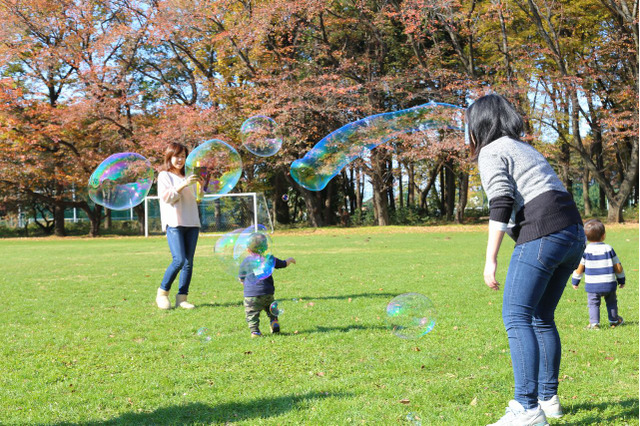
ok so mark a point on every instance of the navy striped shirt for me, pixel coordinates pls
(599, 276)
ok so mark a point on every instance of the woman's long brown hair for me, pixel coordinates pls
(174, 148)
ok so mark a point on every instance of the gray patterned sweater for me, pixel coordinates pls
(526, 198)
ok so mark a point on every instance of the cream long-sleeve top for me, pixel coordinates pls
(177, 208)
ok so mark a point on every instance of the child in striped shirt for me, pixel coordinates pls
(602, 274)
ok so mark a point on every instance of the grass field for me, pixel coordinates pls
(83, 343)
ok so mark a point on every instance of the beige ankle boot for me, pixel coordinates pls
(162, 299)
(181, 301)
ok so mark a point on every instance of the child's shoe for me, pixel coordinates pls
(594, 326)
(552, 407)
(256, 334)
(516, 415)
(275, 326)
(617, 323)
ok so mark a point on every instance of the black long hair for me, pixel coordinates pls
(489, 118)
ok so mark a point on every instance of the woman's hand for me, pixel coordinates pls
(490, 268)
(188, 181)
(191, 179)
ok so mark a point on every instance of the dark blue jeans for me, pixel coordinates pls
(182, 243)
(537, 275)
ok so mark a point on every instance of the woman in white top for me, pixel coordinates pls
(180, 220)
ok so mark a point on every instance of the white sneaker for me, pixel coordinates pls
(516, 415)
(552, 407)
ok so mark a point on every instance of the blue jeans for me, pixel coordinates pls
(182, 243)
(537, 275)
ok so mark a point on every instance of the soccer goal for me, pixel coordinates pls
(219, 214)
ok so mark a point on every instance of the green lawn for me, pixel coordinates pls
(83, 343)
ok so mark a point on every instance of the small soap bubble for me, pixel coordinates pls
(203, 334)
(411, 315)
(217, 163)
(357, 139)
(414, 419)
(121, 181)
(285, 198)
(276, 308)
(260, 136)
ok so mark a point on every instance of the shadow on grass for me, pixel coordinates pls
(345, 329)
(219, 305)
(345, 296)
(628, 409)
(199, 413)
(301, 299)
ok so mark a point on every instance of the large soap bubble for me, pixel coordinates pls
(253, 254)
(260, 136)
(121, 181)
(411, 315)
(246, 252)
(339, 148)
(219, 165)
(224, 249)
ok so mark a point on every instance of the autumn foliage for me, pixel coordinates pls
(81, 80)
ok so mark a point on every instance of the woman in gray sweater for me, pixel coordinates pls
(528, 202)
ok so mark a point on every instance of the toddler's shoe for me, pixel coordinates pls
(275, 326)
(256, 334)
(617, 323)
(594, 326)
(552, 407)
(516, 415)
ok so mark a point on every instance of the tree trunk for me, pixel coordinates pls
(94, 218)
(463, 189)
(565, 160)
(139, 210)
(388, 182)
(400, 192)
(614, 215)
(449, 195)
(432, 178)
(359, 191)
(314, 209)
(585, 192)
(58, 220)
(281, 206)
(107, 218)
(380, 193)
(411, 200)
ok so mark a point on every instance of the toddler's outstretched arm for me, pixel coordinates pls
(290, 261)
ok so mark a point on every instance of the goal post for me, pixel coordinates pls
(219, 214)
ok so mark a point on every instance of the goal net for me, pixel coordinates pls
(219, 214)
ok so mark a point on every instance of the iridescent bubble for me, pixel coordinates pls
(352, 141)
(223, 250)
(204, 334)
(276, 308)
(252, 252)
(121, 182)
(260, 136)
(414, 419)
(411, 315)
(285, 198)
(219, 165)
